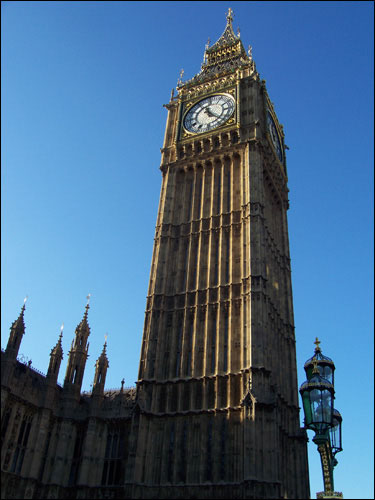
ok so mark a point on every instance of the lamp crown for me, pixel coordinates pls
(317, 342)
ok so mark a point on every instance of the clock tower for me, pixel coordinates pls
(217, 392)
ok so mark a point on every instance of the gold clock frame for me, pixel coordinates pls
(185, 107)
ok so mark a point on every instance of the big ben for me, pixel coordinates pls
(218, 413)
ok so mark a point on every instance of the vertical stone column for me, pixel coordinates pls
(63, 455)
(88, 453)
(198, 358)
(168, 197)
(161, 345)
(37, 444)
(163, 198)
(198, 191)
(141, 452)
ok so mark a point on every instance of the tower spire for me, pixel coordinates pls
(229, 16)
(223, 57)
(17, 330)
(101, 366)
(228, 37)
(78, 354)
(56, 357)
(87, 307)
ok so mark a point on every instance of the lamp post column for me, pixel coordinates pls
(318, 394)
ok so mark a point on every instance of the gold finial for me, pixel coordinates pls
(238, 32)
(315, 363)
(105, 337)
(229, 15)
(250, 52)
(25, 299)
(62, 327)
(88, 298)
(317, 342)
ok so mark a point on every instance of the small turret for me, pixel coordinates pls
(101, 366)
(78, 355)
(56, 357)
(17, 331)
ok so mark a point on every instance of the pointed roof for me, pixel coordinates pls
(83, 326)
(57, 350)
(228, 37)
(103, 357)
(19, 323)
(223, 57)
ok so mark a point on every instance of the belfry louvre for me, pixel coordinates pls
(215, 410)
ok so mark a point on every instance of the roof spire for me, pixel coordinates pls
(58, 347)
(224, 57)
(101, 366)
(19, 322)
(229, 15)
(227, 39)
(87, 306)
(104, 351)
(103, 356)
(17, 331)
(83, 327)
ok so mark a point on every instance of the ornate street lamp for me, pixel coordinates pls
(325, 364)
(317, 398)
(335, 433)
(318, 394)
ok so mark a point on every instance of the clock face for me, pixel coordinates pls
(274, 136)
(209, 113)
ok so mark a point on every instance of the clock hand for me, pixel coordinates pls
(210, 113)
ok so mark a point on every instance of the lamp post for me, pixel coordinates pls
(318, 394)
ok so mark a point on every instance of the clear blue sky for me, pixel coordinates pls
(83, 85)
